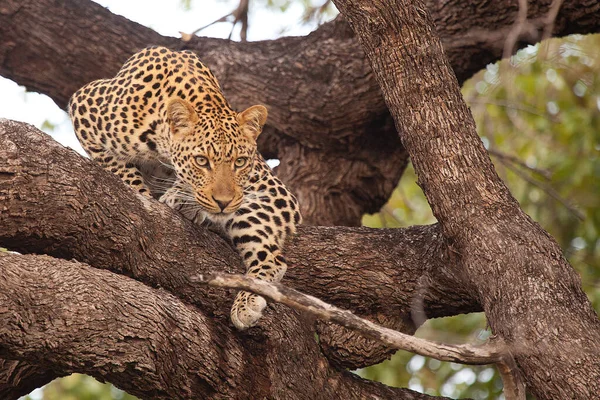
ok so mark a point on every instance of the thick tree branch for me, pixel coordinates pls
(68, 207)
(58, 203)
(67, 317)
(18, 378)
(473, 36)
(78, 228)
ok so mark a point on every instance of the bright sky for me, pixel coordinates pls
(167, 18)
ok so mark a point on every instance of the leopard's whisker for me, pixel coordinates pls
(166, 165)
(172, 181)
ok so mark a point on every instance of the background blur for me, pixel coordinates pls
(538, 114)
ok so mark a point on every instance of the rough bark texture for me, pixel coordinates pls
(340, 153)
(531, 296)
(58, 203)
(336, 140)
(70, 317)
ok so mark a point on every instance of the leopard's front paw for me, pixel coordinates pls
(247, 310)
(191, 212)
(169, 198)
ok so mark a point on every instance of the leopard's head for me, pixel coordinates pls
(213, 152)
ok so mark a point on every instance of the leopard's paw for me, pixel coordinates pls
(170, 198)
(247, 310)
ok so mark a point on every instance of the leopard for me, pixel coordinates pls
(165, 108)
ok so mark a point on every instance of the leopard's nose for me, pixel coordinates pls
(222, 203)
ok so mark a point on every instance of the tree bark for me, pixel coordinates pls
(340, 154)
(58, 203)
(68, 317)
(531, 296)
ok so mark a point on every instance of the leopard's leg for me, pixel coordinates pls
(258, 231)
(264, 261)
(128, 173)
(180, 199)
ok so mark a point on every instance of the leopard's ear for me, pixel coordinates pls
(252, 120)
(182, 116)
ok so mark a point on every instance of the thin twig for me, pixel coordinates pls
(386, 210)
(186, 37)
(551, 18)
(490, 353)
(467, 354)
(514, 387)
(548, 23)
(313, 11)
(517, 161)
(506, 104)
(240, 14)
(548, 190)
(520, 26)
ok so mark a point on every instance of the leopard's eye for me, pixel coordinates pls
(241, 162)
(202, 161)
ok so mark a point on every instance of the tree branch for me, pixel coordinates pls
(18, 378)
(68, 207)
(466, 354)
(94, 218)
(66, 317)
(78, 319)
(54, 47)
(493, 352)
(56, 202)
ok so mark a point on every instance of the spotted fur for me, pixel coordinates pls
(166, 107)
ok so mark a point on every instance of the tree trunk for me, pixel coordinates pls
(530, 294)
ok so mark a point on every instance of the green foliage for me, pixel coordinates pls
(539, 116)
(406, 207)
(438, 378)
(79, 387)
(544, 109)
(48, 126)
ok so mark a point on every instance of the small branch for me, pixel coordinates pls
(507, 104)
(465, 354)
(514, 387)
(314, 12)
(548, 24)
(548, 190)
(515, 160)
(240, 14)
(551, 18)
(520, 27)
(186, 37)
